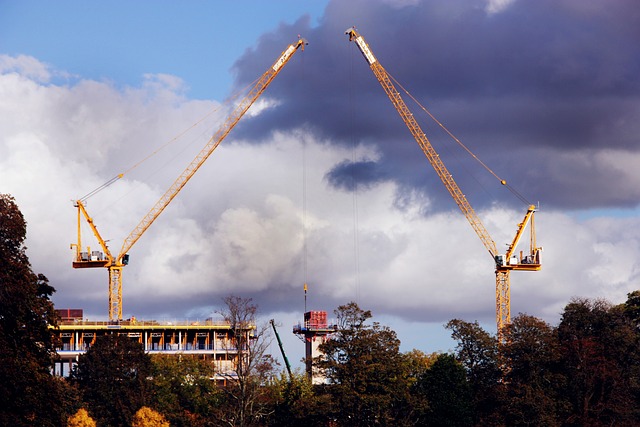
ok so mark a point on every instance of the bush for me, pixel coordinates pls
(81, 419)
(147, 417)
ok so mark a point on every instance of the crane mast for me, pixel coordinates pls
(503, 263)
(115, 264)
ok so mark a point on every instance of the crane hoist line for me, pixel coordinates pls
(85, 258)
(504, 263)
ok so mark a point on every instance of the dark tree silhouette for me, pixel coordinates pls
(599, 344)
(478, 352)
(533, 374)
(113, 379)
(448, 393)
(29, 394)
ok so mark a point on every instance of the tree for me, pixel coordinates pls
(477, 351)
(448, 393)
(81, 419)
(147, 417)
(364, 370)
(600, 353)
(29, 394)
(183, 389)
(632, 308)
(294, 402)
(416, 364)
(251, 365)
(532, 376)
(112, 377)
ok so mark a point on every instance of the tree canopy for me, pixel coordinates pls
(364, 369)
(29, 395)
(113, 379)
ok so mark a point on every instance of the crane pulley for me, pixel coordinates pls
(87, 258)
(504, 263)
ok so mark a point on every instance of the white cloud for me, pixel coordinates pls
(26, 66)
(497, 6)
(238, 224)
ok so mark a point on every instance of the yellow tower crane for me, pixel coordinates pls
(87, 258)
(504, 263)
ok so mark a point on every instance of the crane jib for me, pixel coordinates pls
(283, 59)
(85, 258)
(365, 50)
(504, 263)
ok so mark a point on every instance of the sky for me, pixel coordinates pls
(321, 182)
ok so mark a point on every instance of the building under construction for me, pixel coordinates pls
(314, 331)
(208, 339)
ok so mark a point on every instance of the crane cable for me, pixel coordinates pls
(213, 110)
(354, 181)
(448, 132)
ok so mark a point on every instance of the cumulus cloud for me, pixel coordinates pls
(26, 66)
(496, 6)
(319, 187)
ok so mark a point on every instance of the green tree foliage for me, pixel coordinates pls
(416, 364)
(364, 370)
(295, 403)
(112, 377)
(81, 419)
(183, 389)
(29, 394)
(584, 372)
(533, 374)
(448, 393)
(477, 351)
(600, 355)
(632, 308)
(147, 417)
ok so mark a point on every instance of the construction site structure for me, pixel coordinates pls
(284, 355)
(504, 263)
(206, 339)
(86, 258)
(314, 331)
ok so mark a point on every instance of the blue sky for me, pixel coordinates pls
(546, 93)
(122, 40)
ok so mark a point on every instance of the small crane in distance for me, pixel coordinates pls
(504, 263)
(90, 259)
(284, 355)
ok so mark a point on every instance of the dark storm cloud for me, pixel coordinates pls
(536, 90)
(349, 175)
